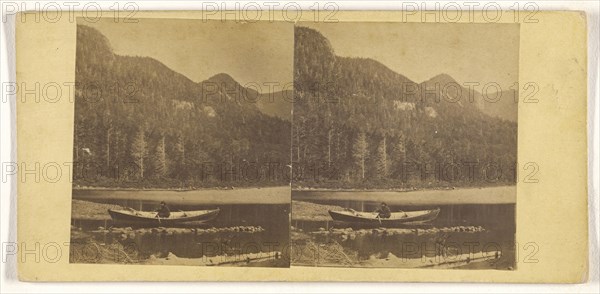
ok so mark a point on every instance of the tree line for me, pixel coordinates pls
(140, 124)
(364, 133)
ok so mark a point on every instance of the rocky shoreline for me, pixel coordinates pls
(130, 233)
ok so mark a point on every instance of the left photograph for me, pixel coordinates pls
(181, 143)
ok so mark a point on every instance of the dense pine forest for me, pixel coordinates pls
(358, 124)
(140, 124)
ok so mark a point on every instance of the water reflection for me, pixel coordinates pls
(464, 232)
(238, 229)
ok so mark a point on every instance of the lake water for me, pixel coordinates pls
(270, 213)
(495, 215)
(492, 209)
(488, 195)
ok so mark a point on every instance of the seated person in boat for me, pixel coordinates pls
(384, 211)
(163, 211)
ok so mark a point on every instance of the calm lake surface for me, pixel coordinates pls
(269, 195)
(488, 195)
(270, 211)
(492, 209)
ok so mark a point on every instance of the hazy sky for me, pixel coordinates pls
(253, 52)
(263, 51)
(468, 52)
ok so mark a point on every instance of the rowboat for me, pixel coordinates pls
(132, 216)
(397, 218)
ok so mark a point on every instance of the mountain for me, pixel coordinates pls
(497, 104)
(139, 123)
(504, 106)
(278, 104)
(362, 123)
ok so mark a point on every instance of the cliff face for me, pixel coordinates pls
(136, 109)
(366, 119)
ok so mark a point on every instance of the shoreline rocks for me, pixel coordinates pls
(130, 233)
(349, 233)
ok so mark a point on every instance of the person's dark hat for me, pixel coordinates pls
(162, 202)
(383, 203)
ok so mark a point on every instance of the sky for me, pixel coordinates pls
(260, 52)
(481, 53)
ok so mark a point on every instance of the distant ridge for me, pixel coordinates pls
(366, 120)
(168, 125)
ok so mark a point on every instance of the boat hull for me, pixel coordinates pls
(150, 219)
(402, 218)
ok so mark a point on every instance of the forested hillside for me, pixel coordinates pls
(140, 124)
(277, 104)
(359, 124)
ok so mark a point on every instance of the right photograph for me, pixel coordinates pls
(404, 145)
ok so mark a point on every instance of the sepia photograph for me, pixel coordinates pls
(404, 145)
(181, 143)
(292, 143)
